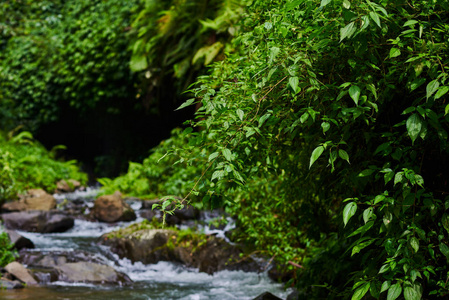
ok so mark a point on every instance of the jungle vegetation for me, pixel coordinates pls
(320, 125)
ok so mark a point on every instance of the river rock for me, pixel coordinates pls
(38, 221)
(46, 259)
(20, 272)
(267, 296)
(35, 199)
(18, 240)
(68, 186)
(10, 284)
(90, 272)
(112, 208)
(208, 253)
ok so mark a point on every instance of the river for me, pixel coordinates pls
(163, 280)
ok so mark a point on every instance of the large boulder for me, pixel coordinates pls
(20, 273)
(71, 266)
(35, 199)
(51, 259)
(112, 208)
(9, 284)
(208, 253)
(38, 221)
(18, 240)
(147, 246)
(90, 272)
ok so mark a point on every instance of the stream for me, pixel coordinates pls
(164, 280)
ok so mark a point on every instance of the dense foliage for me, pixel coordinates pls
(59, 54)
(7, 253)
(25, 164)
(326, 133)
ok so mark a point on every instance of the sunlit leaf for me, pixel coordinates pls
(394, 52)
(431, 88)
(361, 291)
(349, 211)
(354, 92)
(414, 125)
(315, 155)
(394, 291)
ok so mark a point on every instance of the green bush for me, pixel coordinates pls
(26, 164)
(7, 254)
(333, 116)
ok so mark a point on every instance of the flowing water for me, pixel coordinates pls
(163, 280)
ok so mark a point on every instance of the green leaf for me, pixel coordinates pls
(349, 211)
(385, 286)
(213, 156)
(293, 82)
(431, 88)
(361, 291)
(414, 243)
(414, 125)
(367, 214)
(445, 222)
(410, 23)
(442, 90)
(138, 63)
(375, 18)
(384, 269)
(394, 52)
(325, 2)
(354, 92)
(227, 154)
(325, 126)
(347, 31)
(187, 103)
(394, 291)
(304, 117)
(240, 113)
(413, 292)
(346, 4)
(366, 173)
(165, 204)
(361, 246)
(444, 249)
(315, 155)
(362, 229)
(416, 83)
(343, 155)
(263, 119)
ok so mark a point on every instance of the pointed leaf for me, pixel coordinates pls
(361, 291)
(375, 18)
(413, 292)
(349, 211)
(414, 125)
(187, 103)
(441, 92)
(414, 242)
(227, 154)
(325, 2)
(367, 214)
(394, 52)
(354, 92)
(315, 155)
(431, 88)
(293, 82)
(240, 113)
(347, 31)
(343, 155)
(394, 291)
